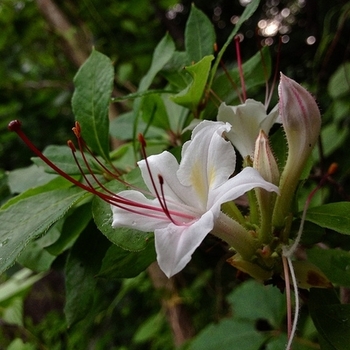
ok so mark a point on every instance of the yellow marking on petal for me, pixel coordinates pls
(198, 182)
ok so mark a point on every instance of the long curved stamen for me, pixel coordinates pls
(109, 196)
(161, 198)
(240, 67)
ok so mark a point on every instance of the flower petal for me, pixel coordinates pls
(246, 180)
(176, 244)
(246, 119)
(207, 159)
(139, 218)
(166, 165)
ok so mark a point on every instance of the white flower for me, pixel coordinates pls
(186, 197)
(247, 120)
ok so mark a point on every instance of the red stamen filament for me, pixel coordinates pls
(240, 67)
(110, 197)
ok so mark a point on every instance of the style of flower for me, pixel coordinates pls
(186, 198)
(247, 120)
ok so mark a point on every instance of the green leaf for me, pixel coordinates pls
(125, 238)
(63, 158)
(91, 98)
(82, 265)
(256, 72)
(162, 54)
(22, 179)
(73, 225)
(331, 319)
(56, 183)
(265, 302)
(334, 263)
(192, 96)
(228, 335)
(35, 256)
(120, 263)
(334, 216)
(30, 218)
(247, 13)
(339, 85)
(18, 283)
(154, 112)
(199, 36)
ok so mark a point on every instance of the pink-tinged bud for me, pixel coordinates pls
(264, 160)
(265, 163)
(301, 121)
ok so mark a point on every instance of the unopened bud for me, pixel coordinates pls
(301, 121)
(265, 163)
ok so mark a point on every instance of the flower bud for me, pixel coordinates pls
(265, 163)
(301, 121)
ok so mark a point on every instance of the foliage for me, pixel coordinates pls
(51, 224)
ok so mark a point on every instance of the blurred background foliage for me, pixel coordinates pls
(42, 44)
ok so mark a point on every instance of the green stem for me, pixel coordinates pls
(235, 235)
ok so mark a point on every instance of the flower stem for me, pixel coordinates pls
(235, 235)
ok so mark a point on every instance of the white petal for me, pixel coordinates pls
(176, 244)
(137, 217)
(207, 159)
(246, 180)
(166, 165)
(246, 119)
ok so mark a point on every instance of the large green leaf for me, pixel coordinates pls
(91, 98)
(334, 263)
(199, 36)
(120, 263)
(30, 218)
(332, 319)
(265, 302)
(334, 216)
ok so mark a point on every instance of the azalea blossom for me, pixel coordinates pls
(247, 120)
(185, 199)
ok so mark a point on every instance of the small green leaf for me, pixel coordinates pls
(82, 265)
(247, 13)
(91, 98)
(162, 54)
(192, 96)
(339, 85)
(30, 218)
(334, 216)
(334, 263)
(199, 36)
(120, 263)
